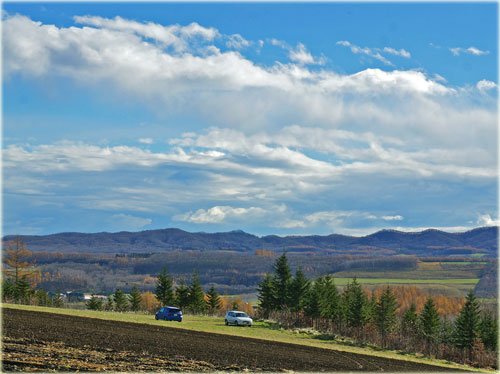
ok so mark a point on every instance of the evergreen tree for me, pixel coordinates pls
(385, 317)
(95, 303)
(182, 295)
(266, 296)
(467, 324)
(281, 282)
(164, 290)
(110, 303)
(312, 304)
(57, 301)
(354, 300)
(121, 302)
(214, 303)
(298, 291)
(135, 299)
(235, 305)
(429, 323)
(42, 298)
(370, 309)
(196, 296)
(329, 299)
(8, 290)
(409, 322)
(23, 290)
(488, 331)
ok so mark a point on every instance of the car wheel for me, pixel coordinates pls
(226, 322)
(156, 318)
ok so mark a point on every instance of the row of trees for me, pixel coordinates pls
(296, 301)
(189, 297)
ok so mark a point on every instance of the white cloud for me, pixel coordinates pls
(397, 52)
(236, 41)
(392, 218)
(487, 220)
(373, 53)
(485, 85)
(302, 56)
(457, 51)
(280, 131)
(175, 36)
(128, 222)
(146, 140)
(218, 214)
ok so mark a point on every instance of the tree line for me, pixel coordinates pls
(296, 301)
(188, 297)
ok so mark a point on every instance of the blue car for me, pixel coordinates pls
(169, 313)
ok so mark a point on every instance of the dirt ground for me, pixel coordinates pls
(46, 342)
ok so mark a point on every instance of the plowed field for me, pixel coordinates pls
(93, 344)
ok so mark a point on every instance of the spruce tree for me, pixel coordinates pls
(135, 299)
(354, 300)
(298, 291)
(385, 317)
(266, 296)
(429, 323)
(8, 290)
(197, 303)
(214, 303)
(488, 331)
(182, 295)
(121, 302)
(312, 306)
(467, 324)
(409, 322)
(329, 299)
(42, 298)
(95, 303)
(110, 303)
(281, 282)
(164, 290)
(23, 290)
(57, 301)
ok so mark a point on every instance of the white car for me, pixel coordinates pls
(233, 317)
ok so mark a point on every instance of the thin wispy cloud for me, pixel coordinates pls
(457, 51)
(375, 53)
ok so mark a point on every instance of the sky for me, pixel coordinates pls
(271, 118)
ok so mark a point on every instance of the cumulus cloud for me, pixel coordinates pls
(457, 51)
(236, 41)
(487, 220)
(175, 36)
(218, 214)
(302, 56)
(485, 85)
(279, 133)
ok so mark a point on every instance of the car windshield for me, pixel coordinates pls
(173, 310)
(240, 314)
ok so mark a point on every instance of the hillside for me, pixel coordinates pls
(477, 242)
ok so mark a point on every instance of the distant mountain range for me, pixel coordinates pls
(478, 242)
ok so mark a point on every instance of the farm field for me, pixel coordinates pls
(182, 349)
(260, 330)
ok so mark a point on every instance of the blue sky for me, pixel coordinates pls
(271, 118)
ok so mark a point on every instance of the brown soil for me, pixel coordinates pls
(93, 345)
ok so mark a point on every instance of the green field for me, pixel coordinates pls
(406, 281)
(261, 330)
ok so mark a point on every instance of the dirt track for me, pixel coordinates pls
(204, 350)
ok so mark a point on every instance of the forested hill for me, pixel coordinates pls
(480, 241)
